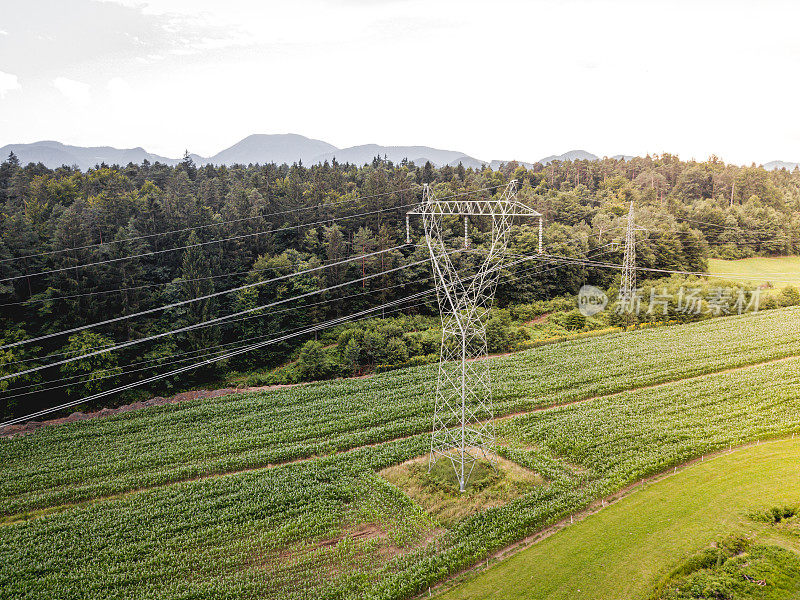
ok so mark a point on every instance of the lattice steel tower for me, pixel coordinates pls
(463, 429)
(627, 286)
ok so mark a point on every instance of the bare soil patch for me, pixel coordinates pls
(537, 320)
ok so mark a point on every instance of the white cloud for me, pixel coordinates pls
(75, 91)
(3, 32)
(8, 83)
(119, 89)
(553, 75)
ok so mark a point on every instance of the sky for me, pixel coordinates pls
(497, 79)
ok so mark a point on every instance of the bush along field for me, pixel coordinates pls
(385, 344)
(279, 494)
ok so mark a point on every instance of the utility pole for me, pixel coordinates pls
(463, 426)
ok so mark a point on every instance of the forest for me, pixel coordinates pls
(78, 248)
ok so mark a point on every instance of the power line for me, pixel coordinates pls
(227, 322)
(219, 241)
(511, 278)
(221, 357)
(190, 300)
(231, 354)
(83, 379)
(217, 224)
(188, 246)
(147, 285)
(231, 321)
(567, 260)
(198, 325)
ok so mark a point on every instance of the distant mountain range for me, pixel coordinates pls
(781, 164)
(278, 148)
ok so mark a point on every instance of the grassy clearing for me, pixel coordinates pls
(438, 494)
(630, 547)
(779, 271)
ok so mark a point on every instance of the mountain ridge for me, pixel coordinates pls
(286, 148)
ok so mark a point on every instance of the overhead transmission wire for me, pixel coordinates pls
(225, 319)
(690, 220)
(199, 325)
(240, 350)
(110, 372)
(216, 224)
(231, 321)
(576, 260)
(231, 354)
(206, 296)
(228, 239)
(197, 299)
(206, 243)
(360, 257)
(224, 356)
(227, 322)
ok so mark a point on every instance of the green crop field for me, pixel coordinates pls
(279, 495)
(779, 271)
(626, 550)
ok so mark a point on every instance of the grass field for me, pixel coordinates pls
(624, 550)
(780, 271)
(278, 495)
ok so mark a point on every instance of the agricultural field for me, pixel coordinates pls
(778, 271)
(173, 443)
(285, 494)
(631, 548)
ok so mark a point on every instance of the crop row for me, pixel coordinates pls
(162, 445)
(234, 536)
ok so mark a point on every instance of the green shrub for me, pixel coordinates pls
(768, 302)
(789, 296)
(396, 351)
(316, 362)
(776, 514)
(574, 320)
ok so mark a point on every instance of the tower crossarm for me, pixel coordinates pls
(510, 208)
(501, 210)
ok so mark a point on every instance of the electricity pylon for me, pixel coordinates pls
(463, 427)
(627, 286)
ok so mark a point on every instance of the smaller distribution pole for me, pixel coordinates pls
(540, 235)
(466, 238)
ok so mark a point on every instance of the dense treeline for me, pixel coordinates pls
(80, 247)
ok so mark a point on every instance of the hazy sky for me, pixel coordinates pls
(494, 79)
